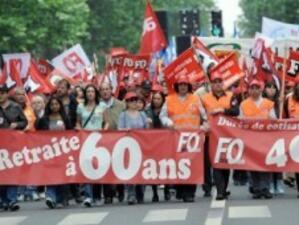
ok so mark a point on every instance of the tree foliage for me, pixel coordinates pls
(119, 23)
(254, 10)
(47, 27)
(42, 26)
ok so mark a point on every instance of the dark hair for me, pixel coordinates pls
(176, 88)
(163, 99)
(269, 84)
(75, 90)
(97, 94)
(62, 112)
(143, 101)
(66, 82)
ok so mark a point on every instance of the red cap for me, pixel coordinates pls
(182, 80)
(257, 83)
(157, 87)
(130, 95)
(216, 76)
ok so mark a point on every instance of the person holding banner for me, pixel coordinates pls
(257, 107)
(90, 116)
(272, 93)
(113, 108)
(183, 110)
(11, 117)
(26, 192)
(55, 118)
(153, 112)
(132, 118)
(215, 102)
(292, 111)
(70, 105)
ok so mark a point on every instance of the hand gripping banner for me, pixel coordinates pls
(125, 157)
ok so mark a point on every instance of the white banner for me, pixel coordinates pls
(276, 29)
(72, 62)
(23, 62)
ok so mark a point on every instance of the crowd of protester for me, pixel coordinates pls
(143, 106)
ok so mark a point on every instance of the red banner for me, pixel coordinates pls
(229, 70)
(139, 157)
(259, 145)
(185, 65)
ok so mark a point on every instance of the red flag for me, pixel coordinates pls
(184, 65)
(12, 79)
(44, 67)
(35, 82)
(204, 55)
(152, 39)
(229, 70)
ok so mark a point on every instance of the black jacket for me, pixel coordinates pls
(72, 112)
(44, 122)
(13, 113)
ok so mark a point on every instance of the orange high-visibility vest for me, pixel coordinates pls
(250, 109)
(210, 102)
(293, 107)
(185, 113)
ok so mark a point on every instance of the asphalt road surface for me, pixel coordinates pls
(239, 209)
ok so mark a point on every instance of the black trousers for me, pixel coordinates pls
(185, 190)
(221, 178)
(207, 186)
(260, 180)
(111, 190)
(297, 181)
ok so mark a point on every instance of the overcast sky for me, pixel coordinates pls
(230, 12)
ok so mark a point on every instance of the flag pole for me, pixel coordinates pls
(282, 90)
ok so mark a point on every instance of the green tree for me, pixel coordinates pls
(119, 23)
(254, 10)
(43, 27)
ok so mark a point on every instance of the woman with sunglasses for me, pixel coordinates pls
(132, 118)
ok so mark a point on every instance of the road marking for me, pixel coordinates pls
(12, 220)
(83, 218)
(163, 215)
(249, 212)
(215, 203)
(216, 212)
(215, 216)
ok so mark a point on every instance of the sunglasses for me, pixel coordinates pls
(132, 100)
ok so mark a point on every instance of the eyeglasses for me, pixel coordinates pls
(132, 100)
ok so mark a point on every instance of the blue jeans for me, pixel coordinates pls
(27, 190)
(88, 190)
(135, 192)
(57, 193)
(8, 195)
